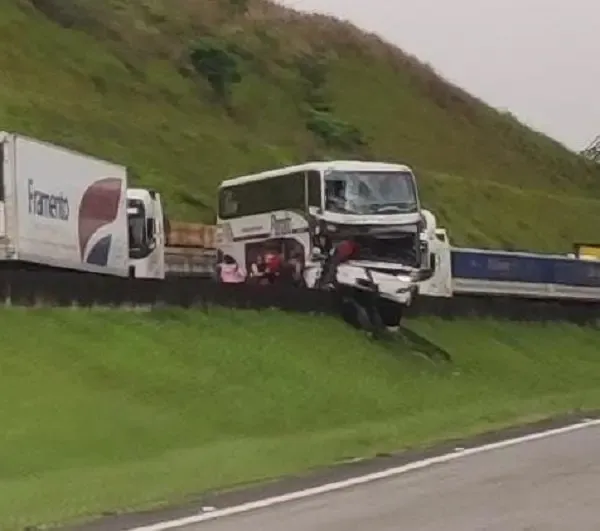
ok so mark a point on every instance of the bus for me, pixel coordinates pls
(278, 211)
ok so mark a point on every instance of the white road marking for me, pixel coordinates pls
(360, 480)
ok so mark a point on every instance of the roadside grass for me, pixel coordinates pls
(464, 207)
(115, 85)
(107, 410)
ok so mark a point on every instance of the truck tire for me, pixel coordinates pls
(349, 312)
(390, 312)
(351, 307)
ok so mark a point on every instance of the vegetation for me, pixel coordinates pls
(124, 409)
(219, 65)
(188, 93)
(115, 410)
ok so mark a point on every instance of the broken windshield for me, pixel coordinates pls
(370, 192)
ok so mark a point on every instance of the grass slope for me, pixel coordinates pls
(118, 409)
(113, 78)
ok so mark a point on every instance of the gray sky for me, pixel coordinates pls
(540, 59)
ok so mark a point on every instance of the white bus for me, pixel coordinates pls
(375, 203)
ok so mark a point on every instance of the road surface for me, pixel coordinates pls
(549, 484)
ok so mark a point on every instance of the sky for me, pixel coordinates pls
(540, 59)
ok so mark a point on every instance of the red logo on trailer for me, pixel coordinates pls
(99, 206)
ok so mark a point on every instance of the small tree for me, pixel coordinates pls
(335, 132)
(218, 64)
(313, 69)
(592, 152)
(313, 72)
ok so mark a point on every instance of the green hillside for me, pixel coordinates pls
(118, 79)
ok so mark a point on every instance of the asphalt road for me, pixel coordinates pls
(549, 484)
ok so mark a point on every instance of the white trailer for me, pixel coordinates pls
(62, 209)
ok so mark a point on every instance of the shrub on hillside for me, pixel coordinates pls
(336, 133)
(67, 13)
(218, 64)
(238, 7)
(320, 116)
(313, 73)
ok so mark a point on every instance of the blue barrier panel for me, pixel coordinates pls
(497, 265)
(577, 273)
(476, 264)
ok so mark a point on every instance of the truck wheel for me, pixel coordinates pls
(349, 312)
(391, 313)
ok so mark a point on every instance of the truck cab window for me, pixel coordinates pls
(371, 192)
(314, 189)
(139, 229)
(150, 230)
(335, 193)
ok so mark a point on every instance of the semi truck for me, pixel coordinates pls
(68, 210)
(64, 209)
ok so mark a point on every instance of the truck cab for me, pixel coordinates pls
(145, 223)
(438, 281)
(377, 204)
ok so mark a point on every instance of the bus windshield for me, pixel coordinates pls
(370, 192)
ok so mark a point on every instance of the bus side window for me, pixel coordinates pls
(285, 192)
(228, 207)
(314, 188)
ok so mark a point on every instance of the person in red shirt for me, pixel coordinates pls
(340, 253)
(273, 265)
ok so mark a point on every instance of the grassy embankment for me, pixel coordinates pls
(114, 410)
(118, 83)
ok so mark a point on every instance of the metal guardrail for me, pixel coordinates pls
(524, 280)
(462, 286)
(523, 274)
